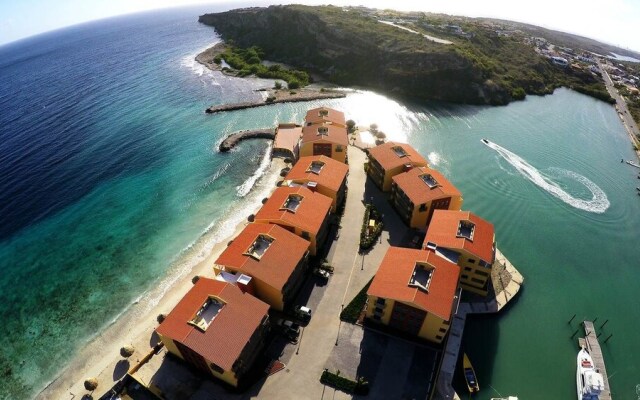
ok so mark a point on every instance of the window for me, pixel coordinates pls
(339, 149)
(438, 337)
(471, 261)
(377, 317)
(381, 301)
(476, 280)
(443, 330)
(306, 235)
(467, 268)
(465, 276)
(423, 207)
(482, 273)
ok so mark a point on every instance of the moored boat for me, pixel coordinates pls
(589, 381)
(470, 375)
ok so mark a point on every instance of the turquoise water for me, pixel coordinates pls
(110, 180)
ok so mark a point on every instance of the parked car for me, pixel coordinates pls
(290, 329)
(321, 273)
(303, 313)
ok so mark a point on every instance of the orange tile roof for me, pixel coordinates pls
(309, 215)
(277, 263)
(443, 231)
(392, 280)
(334, 116)
(287, 137)
(227, 335)
(418, 191)
(331, 175)
(388, 158)
(335, 134)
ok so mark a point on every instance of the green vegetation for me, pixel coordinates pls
(360, 387)
(352, 311)
(248, 61)
(350, 47)
(368, 237)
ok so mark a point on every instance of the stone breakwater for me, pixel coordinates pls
(276, 97)
(232, 140)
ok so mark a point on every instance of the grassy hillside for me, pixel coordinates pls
(351, 47)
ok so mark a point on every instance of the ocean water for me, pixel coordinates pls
(110, 181)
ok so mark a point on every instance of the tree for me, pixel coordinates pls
(373, 128)
(351, 125)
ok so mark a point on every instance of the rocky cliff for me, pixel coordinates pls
(349, 49)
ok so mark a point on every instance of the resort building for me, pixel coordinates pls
(414, 291)
(390, 159)
(320, 174)
(324, 140)
(217, 328)
(300, 211)
(467, 240)
(325, 115)
(417, 193)
(286, 141)
(267, 261)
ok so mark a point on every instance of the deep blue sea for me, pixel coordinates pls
(110, 178)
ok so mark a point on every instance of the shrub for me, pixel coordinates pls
(518, 93)
(352, 311)
(361, 387)
(277, 85)
(367, 240)
(293, 83)
(351, 125)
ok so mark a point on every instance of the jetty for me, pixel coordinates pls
(592, 345)
(277, 97)
(632, 164)
(233, 139)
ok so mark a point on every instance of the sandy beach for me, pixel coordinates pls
(100, 357)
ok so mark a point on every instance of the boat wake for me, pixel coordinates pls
(598, 203)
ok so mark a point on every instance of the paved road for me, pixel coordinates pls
(621, 105)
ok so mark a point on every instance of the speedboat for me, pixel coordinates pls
(505, 398)
(589, 381)
(470, 375)
(485, 141)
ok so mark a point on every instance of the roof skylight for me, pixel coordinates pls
(207, 313)
(429, 180)
(421, 276)
(466, 230)
(400, 152)
(259, 246)
(292, 202)
(315, 167)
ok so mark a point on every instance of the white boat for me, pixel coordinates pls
(485, 141)
(505, 398)
(589, 381)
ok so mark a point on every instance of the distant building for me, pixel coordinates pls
(417, 193)
(300, 211)
(563, 62)
(391, 159)
(320, 174)
(466, 240)
(324, 140)
(287, 141)
(267, 261)
(414, 291)
(217, 329)
(325, 115)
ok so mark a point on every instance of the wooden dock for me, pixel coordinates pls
(590, 342)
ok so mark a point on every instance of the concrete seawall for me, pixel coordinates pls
(285, 99)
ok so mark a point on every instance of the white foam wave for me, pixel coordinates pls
(434, 158)
(598, 202)
(247, 185)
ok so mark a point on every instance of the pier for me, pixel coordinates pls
(233, 139)
(591, 344)
(279, 97)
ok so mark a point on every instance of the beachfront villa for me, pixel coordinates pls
(286, 142)
(268, 261)
(416, 292)
(217, 328)
(300, 211)
(320, 174)
(466, 240)
(324, 140)
(325, 115)
(418, 192)
(390, 159)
